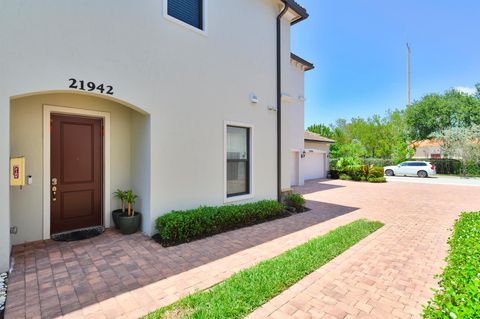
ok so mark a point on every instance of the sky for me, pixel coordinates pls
(358, 48)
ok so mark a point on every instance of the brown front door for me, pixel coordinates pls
(76, 172)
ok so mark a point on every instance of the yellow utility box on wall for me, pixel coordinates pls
(17, 171)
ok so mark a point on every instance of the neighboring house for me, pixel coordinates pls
(181, 101)
(427, 149)
(311, 161)
(316, 160)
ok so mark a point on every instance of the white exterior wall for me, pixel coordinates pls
(189, 84)
(292, 122)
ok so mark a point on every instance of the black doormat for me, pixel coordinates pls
(79, 234)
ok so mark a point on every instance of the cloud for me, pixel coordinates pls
(466, 90)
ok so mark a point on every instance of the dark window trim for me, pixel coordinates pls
(248, 162)
(201, 17)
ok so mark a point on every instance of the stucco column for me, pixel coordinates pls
(4, 183)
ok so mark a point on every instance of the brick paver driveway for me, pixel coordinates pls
(387, 275)
(390, 274)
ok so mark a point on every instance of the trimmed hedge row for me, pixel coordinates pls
(459, 293)
(183, 226)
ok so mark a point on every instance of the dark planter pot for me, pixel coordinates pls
(115, 214)
(129, 225)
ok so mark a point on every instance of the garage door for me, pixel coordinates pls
(314, 166)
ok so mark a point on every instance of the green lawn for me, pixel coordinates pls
(247, 290)
(459, 293)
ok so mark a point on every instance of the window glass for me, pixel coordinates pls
(238, 160)
(417, 164)
(188, 11)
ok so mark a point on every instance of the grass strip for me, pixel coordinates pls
(459, 293)
(247, 290)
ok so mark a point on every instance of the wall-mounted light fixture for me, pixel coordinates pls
(253, 98)
(272, 108)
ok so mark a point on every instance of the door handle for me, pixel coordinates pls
(54, 189)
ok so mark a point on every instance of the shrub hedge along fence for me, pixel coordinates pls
(459, 293)
(183, 226)
(453, 166)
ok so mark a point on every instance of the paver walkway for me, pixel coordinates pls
(389, 274)
(52, 279)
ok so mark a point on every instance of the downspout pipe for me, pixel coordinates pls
(279, 99)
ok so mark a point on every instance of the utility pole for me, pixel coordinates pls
(408, 75)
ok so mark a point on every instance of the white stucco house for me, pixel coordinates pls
(187, 102)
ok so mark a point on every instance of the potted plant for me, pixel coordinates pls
(117, 212)
(129, 222)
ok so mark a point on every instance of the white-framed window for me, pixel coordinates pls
(238, 161)
(188, 13)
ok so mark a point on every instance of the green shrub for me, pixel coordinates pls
(459, 293)
(295, 200)
(375, 172)
(345, 177)
(354, 171)
(184, 226)
(377, 179)
(446, 165)
(333, 174)
(363, 173)
(346, 162)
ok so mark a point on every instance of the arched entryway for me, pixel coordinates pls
(106, 146)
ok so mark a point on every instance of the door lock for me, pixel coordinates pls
(54, 189)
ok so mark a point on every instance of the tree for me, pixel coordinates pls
(354, 149)
(398, 130)
(437, 112)
(322, 130)
(462, 143)
(376, 136)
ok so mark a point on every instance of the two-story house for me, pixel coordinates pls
(187, 102)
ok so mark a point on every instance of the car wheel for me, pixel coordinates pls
(422, 174)
(389, 172)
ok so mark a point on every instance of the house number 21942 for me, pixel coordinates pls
(90, 86)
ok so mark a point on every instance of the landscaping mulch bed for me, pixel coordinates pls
(3, 293)
(290, 211)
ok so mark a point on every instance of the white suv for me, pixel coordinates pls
(420, 169)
